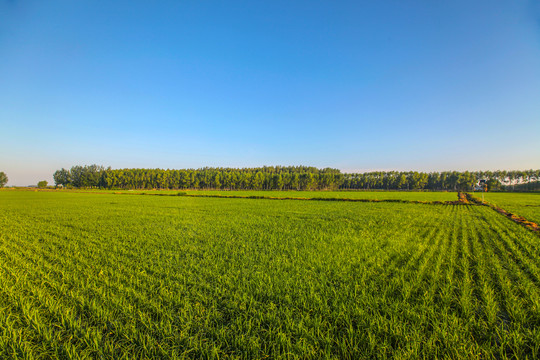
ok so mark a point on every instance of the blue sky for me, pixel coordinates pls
(386, 85)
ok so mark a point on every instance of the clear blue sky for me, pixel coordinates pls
(355, 85)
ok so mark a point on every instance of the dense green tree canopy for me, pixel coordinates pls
(283, 178)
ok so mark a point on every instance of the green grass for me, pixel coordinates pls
(368, 195)
(523, 204)
(111, 276)
(371, 195)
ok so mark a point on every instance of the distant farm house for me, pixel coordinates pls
(481, 185)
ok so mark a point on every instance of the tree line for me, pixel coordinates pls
(284, 178)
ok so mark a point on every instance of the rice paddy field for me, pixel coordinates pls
(523, 204)
(367, 195)
(370, 195)
(110, 276)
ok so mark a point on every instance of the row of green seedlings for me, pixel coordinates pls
(66, 317)
(490, 276)
(510, 289)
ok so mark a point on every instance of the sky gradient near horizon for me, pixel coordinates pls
(359, 86)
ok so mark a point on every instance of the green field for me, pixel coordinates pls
(110, 276)
(523, 204)
(367, 195)
(370, 195)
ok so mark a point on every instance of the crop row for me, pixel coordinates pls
(85, 275)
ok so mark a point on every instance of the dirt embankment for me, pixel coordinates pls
(462, 198)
